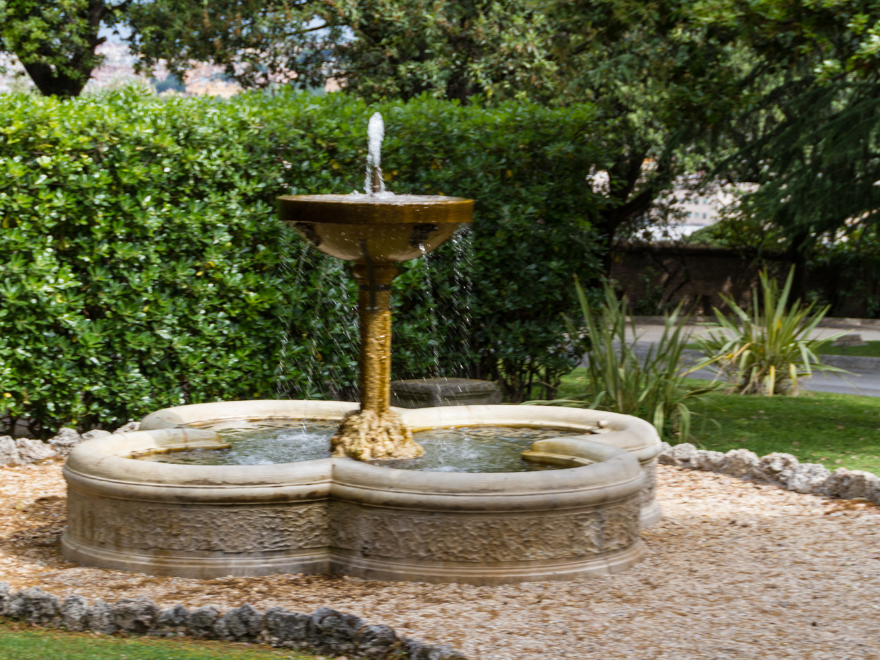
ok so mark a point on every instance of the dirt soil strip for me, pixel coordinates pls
(735, 570)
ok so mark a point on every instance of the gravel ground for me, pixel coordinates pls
(735, 570)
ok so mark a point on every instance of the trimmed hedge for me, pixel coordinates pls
(142, 265)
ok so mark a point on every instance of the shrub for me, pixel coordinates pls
(652, 385)
(768, 350)
(142, 265)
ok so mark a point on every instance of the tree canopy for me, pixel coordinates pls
(810, 141)
(781, 93)
(56, 40)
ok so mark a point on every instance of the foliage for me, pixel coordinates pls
(787, 90)
(258, 42)
(142, 265)
(652, 384)
(810, 141)
(56, 40)
(768, 350)
(454, 50)
(659, 79)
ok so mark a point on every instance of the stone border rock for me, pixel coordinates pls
(25, 451)
(783, 470)
(323, 631)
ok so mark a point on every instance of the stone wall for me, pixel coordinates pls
(655, 275)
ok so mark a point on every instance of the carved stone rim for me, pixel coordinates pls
(101, 466)
(634, 435)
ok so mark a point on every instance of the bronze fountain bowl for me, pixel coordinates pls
(377, 229)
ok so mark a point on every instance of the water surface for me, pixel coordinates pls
(464, 449)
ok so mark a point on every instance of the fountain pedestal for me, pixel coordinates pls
(374, 321)
(374, 432)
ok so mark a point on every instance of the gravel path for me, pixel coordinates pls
(735, 570)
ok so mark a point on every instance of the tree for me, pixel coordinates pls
(659, 78)
(664, 75)
(657, 75)
(56, 40)
(258, 42)
(809, 143)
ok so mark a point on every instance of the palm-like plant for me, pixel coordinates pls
(653, 385)
(769, 349)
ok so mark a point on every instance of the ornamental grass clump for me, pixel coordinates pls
(767, 350)
(649, 384)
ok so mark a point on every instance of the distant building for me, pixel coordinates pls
(699, 209)
(685, 210)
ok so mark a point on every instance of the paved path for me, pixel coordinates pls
(652, 333)
(865, 382)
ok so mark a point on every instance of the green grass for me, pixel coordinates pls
(869, 349)
(20, 642)
(836, 430)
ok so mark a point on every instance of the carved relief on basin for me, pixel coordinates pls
(337, 515)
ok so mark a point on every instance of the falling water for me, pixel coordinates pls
(463, 268)
(295, 267)
(434, 341)
(315, 349)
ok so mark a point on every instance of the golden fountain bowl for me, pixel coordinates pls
(377, 229)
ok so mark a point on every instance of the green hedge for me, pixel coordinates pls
(142, 266)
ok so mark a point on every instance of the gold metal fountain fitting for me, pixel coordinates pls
(376, 233)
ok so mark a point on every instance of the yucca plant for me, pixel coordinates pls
(652, 386)
(768, 349)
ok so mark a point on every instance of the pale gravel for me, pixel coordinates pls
(735, 570)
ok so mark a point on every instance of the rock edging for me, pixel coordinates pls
(779, 469)
(24, 451)
(323, 631)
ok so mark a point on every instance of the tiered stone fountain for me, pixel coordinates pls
(366, 507)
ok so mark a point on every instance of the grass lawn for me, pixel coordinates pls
(836, 430)
(870, 349)
(21, 642)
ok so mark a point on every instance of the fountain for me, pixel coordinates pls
(369, 501)
(375, 231)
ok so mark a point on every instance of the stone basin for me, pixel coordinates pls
(337, 515)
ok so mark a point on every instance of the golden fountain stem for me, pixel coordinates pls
(374, 432)
(374, 316)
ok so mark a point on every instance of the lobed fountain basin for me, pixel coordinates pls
(337, 515)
